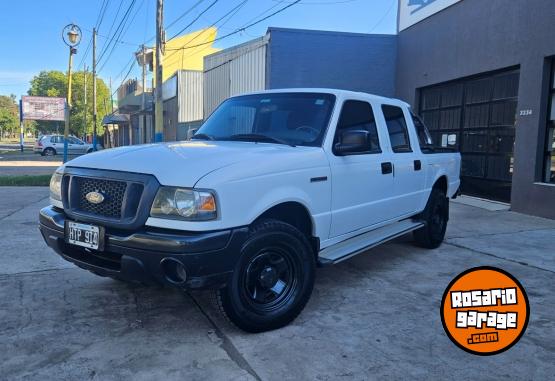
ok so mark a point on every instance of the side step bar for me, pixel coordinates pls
(360, 243)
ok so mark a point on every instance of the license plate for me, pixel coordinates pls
(85, 235)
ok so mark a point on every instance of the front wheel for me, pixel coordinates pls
(273, 279)
(435, 217)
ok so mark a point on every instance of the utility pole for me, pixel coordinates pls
(85, 77)
(158, 111)
(21, 137)
(111, 97)
(142, 132)
(94, 87)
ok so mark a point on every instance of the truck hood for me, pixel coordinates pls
(181, 163)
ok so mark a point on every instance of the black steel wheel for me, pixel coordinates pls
(273, 279)
(435, 216)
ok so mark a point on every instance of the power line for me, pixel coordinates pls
(319, 2)
(230, 13)
(100, 18)
(124, 67)
(384, 16)
(194, 20)
(240, 29)
(125, 26)
(118, 32)
(184, 14)
(115, 18)
(126, 75)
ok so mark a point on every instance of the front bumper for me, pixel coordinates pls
(208, 257)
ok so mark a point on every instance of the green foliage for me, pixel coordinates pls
(9, 115)
(54, 84)
(25, 180)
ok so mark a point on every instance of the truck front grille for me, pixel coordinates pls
(126, 202)
(113, 192)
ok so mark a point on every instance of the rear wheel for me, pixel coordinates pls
(49, 152)
(435, 217)
(273, 279)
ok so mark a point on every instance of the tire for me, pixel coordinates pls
(49, 152)
(272, 280)
(435, 216)
(89, 150)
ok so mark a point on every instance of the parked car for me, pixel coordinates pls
(50, 145)
(272, 185)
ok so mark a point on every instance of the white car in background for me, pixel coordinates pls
(50, 145)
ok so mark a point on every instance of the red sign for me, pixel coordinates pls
(43, 108)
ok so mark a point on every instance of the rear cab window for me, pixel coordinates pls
(397, 128)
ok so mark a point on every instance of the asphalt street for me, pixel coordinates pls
(375, 316)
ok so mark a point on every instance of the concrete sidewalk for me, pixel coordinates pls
(375, 316)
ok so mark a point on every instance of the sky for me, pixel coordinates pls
(30, 30)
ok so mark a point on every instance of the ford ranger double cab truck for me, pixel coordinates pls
(273, 184)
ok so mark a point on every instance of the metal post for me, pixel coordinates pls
(21, 124)
(94, 88)
(158, 110)
(68, 102)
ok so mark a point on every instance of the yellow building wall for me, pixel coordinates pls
(189, 58)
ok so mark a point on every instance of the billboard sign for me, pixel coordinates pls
(43, 108)
(414, 11)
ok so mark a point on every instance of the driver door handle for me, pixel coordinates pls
(387, 168)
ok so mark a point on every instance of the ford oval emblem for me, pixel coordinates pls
(95, 197)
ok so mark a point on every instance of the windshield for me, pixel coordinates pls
(283, 118)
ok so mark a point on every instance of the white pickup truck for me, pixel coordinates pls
(272, 185)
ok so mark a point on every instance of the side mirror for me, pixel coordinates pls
(351, 142)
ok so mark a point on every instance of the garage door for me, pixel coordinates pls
(477, 117)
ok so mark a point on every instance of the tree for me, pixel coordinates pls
(54, 84)
(9, 116)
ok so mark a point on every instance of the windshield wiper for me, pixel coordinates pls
(259, 138)
(202, 136)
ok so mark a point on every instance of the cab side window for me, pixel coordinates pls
(397, 128)
(358, 115)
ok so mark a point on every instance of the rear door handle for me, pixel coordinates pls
(387, 168)
(417, 165)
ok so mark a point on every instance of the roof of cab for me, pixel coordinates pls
(337, 92)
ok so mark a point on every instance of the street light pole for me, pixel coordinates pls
(72, 50)
(73, 33)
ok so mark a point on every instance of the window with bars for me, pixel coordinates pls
(550, 136)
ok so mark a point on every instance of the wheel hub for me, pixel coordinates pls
(268, 277)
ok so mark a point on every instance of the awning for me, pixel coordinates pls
(115, 119)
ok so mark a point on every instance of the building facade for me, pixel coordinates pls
(482, 76)
(286, 58)
(182, 102)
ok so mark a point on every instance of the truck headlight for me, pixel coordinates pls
(184, 204)
(56, 186)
